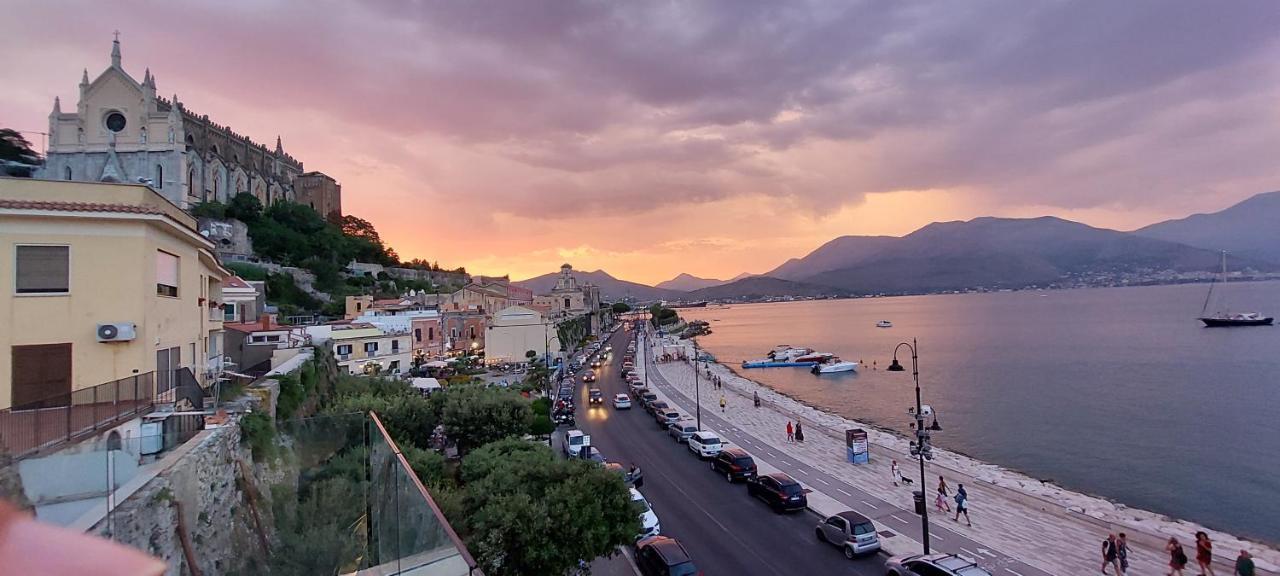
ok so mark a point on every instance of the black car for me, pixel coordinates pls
(779, 491)
(595, 396)
(735, 464)
(663, 556)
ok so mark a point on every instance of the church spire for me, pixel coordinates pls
(279, 148)
(146, 78)
(57, 105)
(115, 50)
(84, 78)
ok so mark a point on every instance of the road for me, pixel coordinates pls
(724, 531)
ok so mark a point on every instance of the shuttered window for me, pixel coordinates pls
(41, 376)
(166, 274)
(42, 270)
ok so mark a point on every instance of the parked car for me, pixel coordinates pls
(663, 556)
(628, 366)
(649, 525)
(704, 443)
(595, 364)
(574, 440)
(933, 564)
(735, 464)
(666, 417)
(854, 533)
(779, 491)
(590, 376)
(632, 476)
(656, 405)
(595, 396)
(621, 402)
(682, 430)
(592, 453)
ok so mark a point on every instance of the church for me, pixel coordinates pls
(121, 131)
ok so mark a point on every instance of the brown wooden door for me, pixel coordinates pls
(41, 374)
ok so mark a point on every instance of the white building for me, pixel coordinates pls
(370, 350)
(514, 331)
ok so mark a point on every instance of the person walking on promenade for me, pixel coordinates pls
(1204, 554)
(1109, 556)
(941, 501)
(962, 504)
(1244, 564)
(1122, 553)
(722, 403)
(756, 397)
(895, 472)
(1177, 557)
(799, 432)
(791, 437)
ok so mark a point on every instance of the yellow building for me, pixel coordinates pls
(102, 282)
(364, 349)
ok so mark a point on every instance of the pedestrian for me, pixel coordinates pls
(962, 504)
(1109, 556)
(1177, 557)
(1244, 564)
(1204, 554)
(722, 403)
(1122, 553)
(756, 398)
(941, 501)
(895, 472)
(791, 437)
(799, 432)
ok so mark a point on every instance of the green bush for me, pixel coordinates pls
(429, 465)
(247, 271)
(292, 395)
(259, 432)
(210, 209)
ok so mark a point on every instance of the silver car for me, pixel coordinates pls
(931, 564)
(682, 430)
(851, 531)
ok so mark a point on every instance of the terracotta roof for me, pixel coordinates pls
(235, 282)
(248, 327)
(78, 206)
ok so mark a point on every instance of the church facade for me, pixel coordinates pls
(122, 131)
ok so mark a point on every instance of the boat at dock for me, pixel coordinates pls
(833, 366)
(767, 363)
(819, 357)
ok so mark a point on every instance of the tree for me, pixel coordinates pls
(528, 512)
(244, 207)
(16, 156)
(621, 307)
(474, 416)
(210, 209)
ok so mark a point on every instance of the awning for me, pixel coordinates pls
(426, 384)
(237, 374)
(437, 364)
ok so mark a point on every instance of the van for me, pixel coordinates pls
(574, 440)
(704, 443)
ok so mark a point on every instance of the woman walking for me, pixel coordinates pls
(1204, 554)
(1122, 553)
(941, 501)
(1177, 557)
(895, 472)
(791, 437)
(799, 432)
(962, 504)
(1109, 555)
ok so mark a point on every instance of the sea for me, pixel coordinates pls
(1116, 392)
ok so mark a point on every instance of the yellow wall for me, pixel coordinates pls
(112, 280)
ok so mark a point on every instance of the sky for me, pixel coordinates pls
(714, 137)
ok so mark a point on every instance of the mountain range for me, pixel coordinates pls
(988, 252)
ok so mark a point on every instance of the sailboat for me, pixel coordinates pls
(1225, 319)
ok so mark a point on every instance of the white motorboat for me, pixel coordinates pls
(819, 357)
(884, 324)
(789, 355)
(833, 366)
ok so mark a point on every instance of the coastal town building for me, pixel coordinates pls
(243, 301)
(464, 331)
(109, 282)
(253, 348)
(571, 299)
(428, 337)
(366, 349)
(321, 192)
(516, 330)
(121, 130)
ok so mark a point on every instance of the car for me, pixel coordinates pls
(628, 366)
(666, 417)
(590, 376)
(682, 430)
(854, 533)
(595, 364)
(779, 491)
(646, 398)
(574, 440)
(654, 406)
(933, 565)
(595, 396)
(664, 556)
(734, 463)
(608, 347)
(704, 443)
(622, 402)
(629, 358)
(633, 476)
(649, 525)
(593, 454)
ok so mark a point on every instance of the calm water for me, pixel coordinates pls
(1117, 392)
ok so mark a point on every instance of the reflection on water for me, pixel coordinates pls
(1118, 392)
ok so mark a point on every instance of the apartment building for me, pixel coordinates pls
(366, 349)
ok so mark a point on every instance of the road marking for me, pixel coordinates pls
(771, 454)
(971, 553)
(873, 506)
(1011, 571)
(987, 552)
(843, 492)
(824, 481)
(935, 536)
(901, 520)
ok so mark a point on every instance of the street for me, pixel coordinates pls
(724, 531)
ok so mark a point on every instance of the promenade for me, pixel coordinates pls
(1020, 525)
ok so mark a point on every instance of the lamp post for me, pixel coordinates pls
(697, 392)
(920, 446)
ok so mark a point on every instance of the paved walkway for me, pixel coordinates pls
(1014, 533)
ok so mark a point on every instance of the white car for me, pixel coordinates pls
(649, 525)
(705, 444)
(621, 402)
(574, 440)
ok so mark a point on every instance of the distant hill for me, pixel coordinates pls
(1249, 230)
(761, 287)
(686, 282)
(842, 252)
(994, 253)
(611, 288)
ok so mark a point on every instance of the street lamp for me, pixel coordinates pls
(920, 446)
(697, 393)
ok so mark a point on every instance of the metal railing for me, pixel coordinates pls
(31, 427)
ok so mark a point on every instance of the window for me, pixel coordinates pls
(191, 182)
(344, 349)
(229, 312)
(473, 332)
(168, 360)
(395, 366)
(166, 274)
(41, 376)
(395, 345)
(431, 333)
(42, 270)
(66, 173)
(454, 331)
(836, 521)
(115, 122)
(159, 177)
(370, 348)
(417, 334)
(566, 303)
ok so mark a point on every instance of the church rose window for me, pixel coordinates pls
(115, 122)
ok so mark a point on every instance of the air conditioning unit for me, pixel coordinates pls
(121, 332)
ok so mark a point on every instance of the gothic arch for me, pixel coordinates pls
(260, 190)
(217, 179)
(239, 182)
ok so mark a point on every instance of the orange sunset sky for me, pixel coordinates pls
(715, 138)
